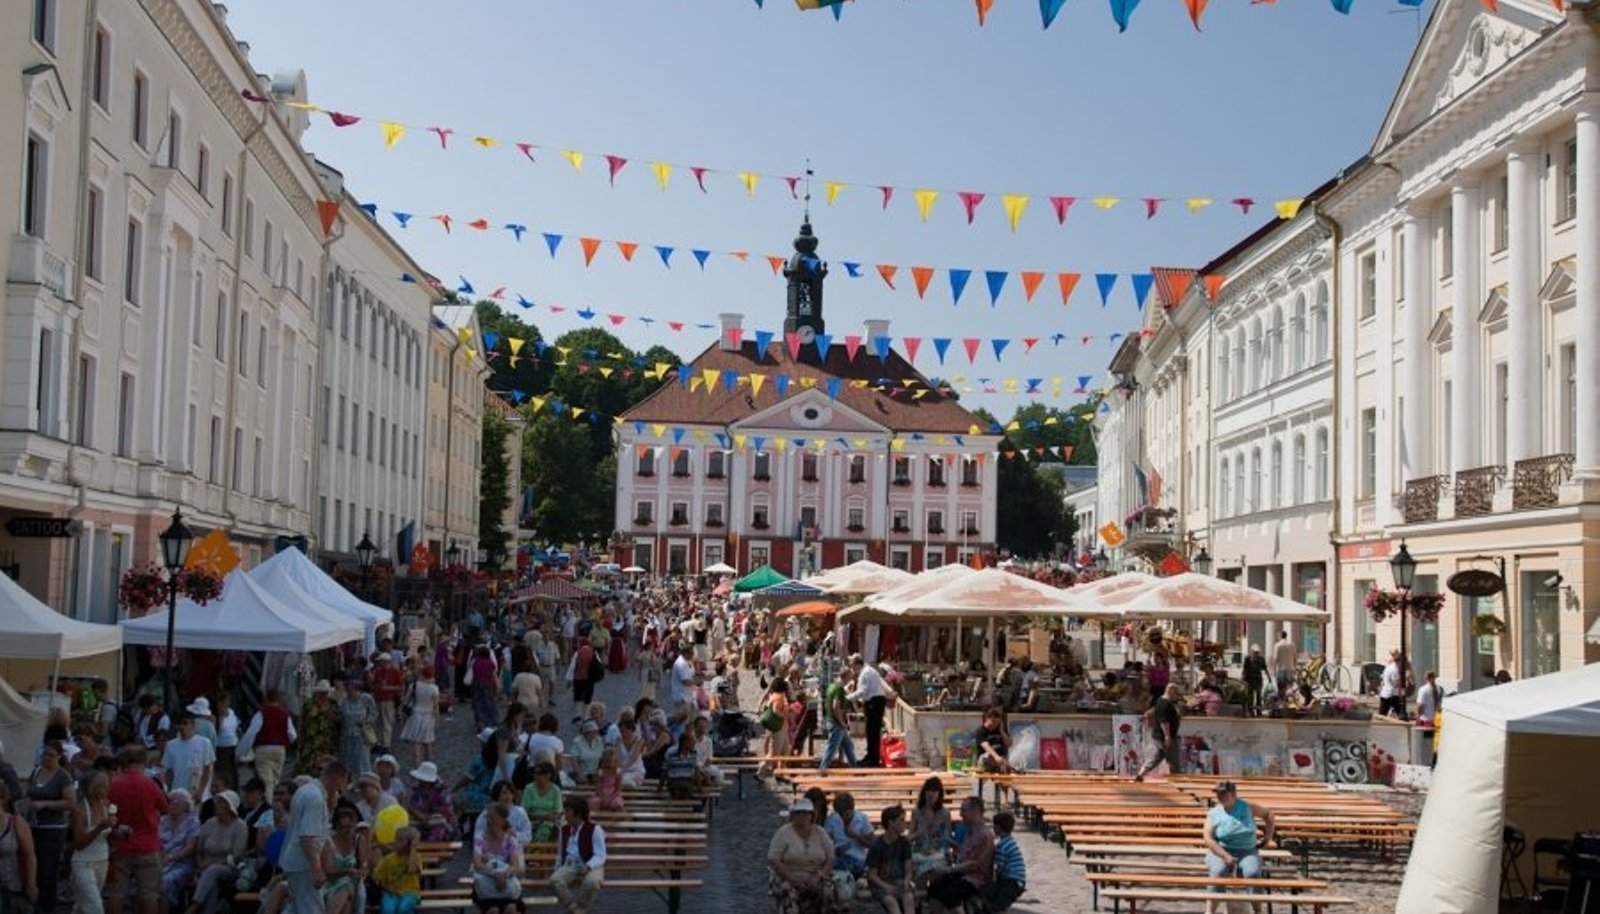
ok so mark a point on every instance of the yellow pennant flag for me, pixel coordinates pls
(565, 351)
(711, 376)
(663, 173)
(304, 106)
(576, 158)
(808, 383)
(516, 344)
(606, 370)
(659, 430)
(830, 190)
(463, 334)
(1050, 420)
(859, 442)
(749, 180)
(782, 444)
(1015, 426)
(699, 434)
(487, 142)
(1014, 205)
(538, 403)
(471, 353)
(738, 441)
(925, 199)
(513, 361)
(392, 133)
(1011, 385)
(756, 380)
(1196, 204)
(1288, 209)
(694, 384)
(661, 371)
(577, 413)
(919, 393)
(1107, 202)
(897, 444)
(972, 430)
(859, 383)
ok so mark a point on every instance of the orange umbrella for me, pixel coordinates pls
(813, 608)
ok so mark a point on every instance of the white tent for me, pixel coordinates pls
(886, 606)
(292, 577)
(247, 618)
(859, 579)
(1191, 596)
(1518, 754)
(987, 594)
(21, 725)
(35, 640)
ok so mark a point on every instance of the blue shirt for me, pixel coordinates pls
(1008, 863)
(1234, 829)
(844, 846)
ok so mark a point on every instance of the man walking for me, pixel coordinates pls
(1283, 658)
(388, 683)
(873, 692)
(136, 840)
(304, 836)
(838, 717)
(1255, 675)
(1166, 717)
(267, 739)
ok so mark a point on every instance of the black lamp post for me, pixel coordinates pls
(175, 543)
(1202, 561)
(365, 552)
(452, 558)
(1404, 569)
(1101, 560)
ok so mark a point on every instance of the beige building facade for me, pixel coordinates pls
(457, 371)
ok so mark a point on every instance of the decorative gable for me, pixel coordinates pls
(1495, 308)
(811, 411)
(1440, 333)
(1559, 286)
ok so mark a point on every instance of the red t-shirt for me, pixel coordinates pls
(140, 805)
(387, 683)
(580, 664)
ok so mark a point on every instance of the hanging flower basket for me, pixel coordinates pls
(1488, 626)
(199, 586)
(143, 588)
(1423, 607)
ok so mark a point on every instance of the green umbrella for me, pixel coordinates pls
(761, 577)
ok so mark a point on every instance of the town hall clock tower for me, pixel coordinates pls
(805, 273)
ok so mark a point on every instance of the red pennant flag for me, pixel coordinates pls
(887, 193)
(792, 340)
(971, 199)
(794, 187)
(590, 246)
(1151, 204)
(583, 368)
(736, 336)
(1493, 5)
(1068, 282)
(1179, 286)
(444, 220)
(616, 319)
(498, 293)
(481, 225)
(912, 343)
(1196, 8)
(527, 150)
(1085, 340)
(1030, 283)
(776, 262)
(1066, 452)
(327, 211)
(644, 450)
(699, 176)
(742, 255)
(972, 343)
(444, 135)
(852, 344)
(1062, 205)
(627, 248)
(675, 326)
(613, 165)
(887, 271)
(1038, 450)
(556, 309)
(1028, 342)
(922, 275)
(340, 119)
(1244, 204)
(1213, 283)
(983, 11)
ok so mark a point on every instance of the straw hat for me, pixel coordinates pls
(427, 772)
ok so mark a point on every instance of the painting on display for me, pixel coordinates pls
(1345, 761)
(1127, 743)
(1301, 761)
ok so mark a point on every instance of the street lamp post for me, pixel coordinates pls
(452, 557)
(365, 551)
(1404, 568)
(175, 543)
(1202, 561)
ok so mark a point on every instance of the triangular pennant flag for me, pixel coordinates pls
(776, 263)
(590, 246)
(1048, 10)
(1121, 10)
(626, 248)
(699, 173)
(912, 344)
(1028, 342)
(614, 164)
(1288, 209)
(958, 283)
(481, 225)
(999, 347)
(444, 220)
(823, 341)
(487, 142)
(997, 281)
(1062, 205)
(830, 191)
(969, 202)
(941, 344)
(782, 383)
(1030, 283)
(1107, 202)
(710, 375)
(792, 340)
(880, 345)
(1244, 204)
(736, 337)
(756, 380)
(749, 181)
(833, 388)
(1014, 204)
(1068, 282)
(852, 345)
(1196, 204)
(887, 271)
(922, 275)
(701, 256)
(327, 212)
(983, 11)
(392, 133)
(527, 150)
(666, 255)
(852, 269)
(663, 173)
(1343, 6)
(1196, 9)
(1151, 205)
(1141, 287)
(925, 199)
(576, 158)
(794, 187)
(763, 341)
(516, 229)
(443, 134)
(1106, 282)
(552, 241)
(1178, 285)
(971, 344)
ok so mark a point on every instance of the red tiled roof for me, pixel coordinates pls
(936, 411)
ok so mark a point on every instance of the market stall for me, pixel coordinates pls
(856, 580)
(42, 645)
(248, 616)
(765, 576)
(292, 577)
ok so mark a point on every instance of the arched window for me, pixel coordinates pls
(1275, 344)
(1319, 324)
(1225, 495)
(1322, 464)
(1222, 374)
(1298, 331)
(1275, 480)
(1255, 480)
(1238, 486)
(1253, 353)
(1240, 369)
(1298, 470)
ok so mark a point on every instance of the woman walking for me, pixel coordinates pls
(419, 728)
(51, 798)
(92, 821)
(358, 718)
(485, 683)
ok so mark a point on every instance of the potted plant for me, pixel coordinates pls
(1488, 626)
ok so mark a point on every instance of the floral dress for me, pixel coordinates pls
(430, 802)
(319, 734)
(930, 838)
(176, 876)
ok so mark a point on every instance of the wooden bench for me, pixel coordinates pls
(1135, 895)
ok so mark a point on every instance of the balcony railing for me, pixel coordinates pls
(1420, 504)
(1536, 482)
(1475, 490)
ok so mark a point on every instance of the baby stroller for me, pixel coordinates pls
(732, 733)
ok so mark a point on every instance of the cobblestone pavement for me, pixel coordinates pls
(741, 828)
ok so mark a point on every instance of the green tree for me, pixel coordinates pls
(1030, 514)
(494, 475)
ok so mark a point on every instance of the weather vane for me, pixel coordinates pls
(809, 174)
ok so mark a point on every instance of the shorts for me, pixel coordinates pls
(144, 869)
(952, 890)
(1003, 893)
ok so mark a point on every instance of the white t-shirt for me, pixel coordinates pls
(545, 742)
(682, 675)
(1390, 685)
(1283, 655)
(185, 761)
(1427, 702)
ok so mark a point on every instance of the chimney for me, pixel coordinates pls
(876, 327)
(732, 331)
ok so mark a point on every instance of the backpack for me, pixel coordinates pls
(122, 726)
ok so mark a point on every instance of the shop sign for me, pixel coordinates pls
(1365, 552)
(1476, 582)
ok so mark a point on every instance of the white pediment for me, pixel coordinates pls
(1561, 282)
(1495, 307)
(811, 412)
(1439, 333)
(1463, 45)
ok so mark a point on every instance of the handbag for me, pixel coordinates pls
(483, 887)
(597, 669)
(467, 680)
(771, 720)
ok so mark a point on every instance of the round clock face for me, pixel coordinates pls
(807, 335)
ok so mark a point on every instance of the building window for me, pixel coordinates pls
(372, 423)
(83, 411)
(935, 523)
(340, 437)
(1275, 476)
(900, 559)
(94, 230)
(244, 345)
(1369, 452)
(202, 172)
(249, 227)
(1502, 404)
(45, 403)
(227, 204)
(174, 141)
(1253, 352)
(680, 463)
(969, 471)
(641, 555)
(132, 273)
(855, 518)
(100, 73)
(1369, 284)
(125, 406)
(1298, 470)
(1447, 242)
(1256, 504)
(1239, 507)
(713, 555)
(680, 514)
(44, 24)
(1569, 181)
(1222, 374)
(759, 556)
(808, 467)
(808, 520)
(214, 469)
(715, 461)
(760, 517)
(714, 514)
(902, 471)
(901, 521)
(221, 342)
(35, 186)
(266, 257)
(858, 468)
(327, 413)
(1569, 398)
(853, 554)
(1224, 489)
(936, 471)
(646, 463)
(1446, 426)
(763, 466)
(969, 523)
(1541, 623)
(1366, 640)
(1502, 213)
(933, 558)
(255, 471)
(644, 512)
(197, 315)
(141, 110)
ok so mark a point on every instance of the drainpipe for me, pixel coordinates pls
(228, 457)
(1333, 585)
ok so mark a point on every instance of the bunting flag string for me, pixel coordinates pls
(1013, 204)
(1121, 10)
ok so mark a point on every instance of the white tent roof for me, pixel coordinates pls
(1558, 704)
(861, 580)
(990, 593)
(246, 617)
(22, 724)
(843, 572)
(292, 577)
(1198, 596)
(887, 606)
(1117, 583)
(29, 629)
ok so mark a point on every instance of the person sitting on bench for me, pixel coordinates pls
(1230, 836)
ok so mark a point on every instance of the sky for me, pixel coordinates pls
(1269, 101)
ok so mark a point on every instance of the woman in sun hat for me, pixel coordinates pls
(204, 724)
(430, 807)
(800, 865)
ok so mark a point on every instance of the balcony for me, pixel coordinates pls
(34, 263)
(1536, 482)
(1475, 490)
(1152, 532)
(1420, 504)
(935, 529)
(759, 524)
(900, 528)
(643, 520)
(969, 530)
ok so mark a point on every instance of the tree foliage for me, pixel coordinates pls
(1031, 515)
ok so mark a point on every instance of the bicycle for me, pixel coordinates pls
(1318, 674)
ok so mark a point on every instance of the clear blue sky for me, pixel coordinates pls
(1268, 101)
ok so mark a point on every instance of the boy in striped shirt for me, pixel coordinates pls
(1010, 872)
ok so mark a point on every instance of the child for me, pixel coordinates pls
(889, 866)
(399, 874)
(608, 781)
(1010, 872)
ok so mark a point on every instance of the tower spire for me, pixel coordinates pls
(809, 175)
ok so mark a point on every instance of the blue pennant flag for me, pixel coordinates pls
(1343, 6)
(701, 256)
(1122, 10)
(1141, 287)
(371, 209)
(958, 283)
(880, 344)
(516, 229)
(552, 241)
(997, 281)
(638, 427)
(465, 287)
(722, 439)
(823, 340)
(1033, 385)
(517, 396)
(763, 340)
(730, 381)
(782, 383)
(540, 347)
(960, 442)
(1106, 281)
(490, 338)
(759, 441)
(1083, 381)
(402, 218)
(407, 277)
(666, 255)
(677, 435)
(1116, 336)
(833, 388)
(647, 321)
(1048, 10)
(941, 344)
(853, 269)
(585, 313)
(999, 347)
(683, 377)
(524, 302)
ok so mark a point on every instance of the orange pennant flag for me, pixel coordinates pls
(481, 225)
(1179, 286)
(1196, 9)
(213, 554)
(983, 11)
(327, 211)
(1030, 283)
(1068, 281)
(776, 262)
(1213, 283)
(590, 246)
(627, 248)
(887, 271)
(923, 275)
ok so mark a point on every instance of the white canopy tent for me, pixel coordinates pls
(837, 575)
(35, 642)
(862, 580)
(1123, 582)
(1518, 754)
(1198, 597)
(246, 617)
(718, 568)
(293, 578)
(22, 725)
(882, 606)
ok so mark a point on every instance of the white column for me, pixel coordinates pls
(1587, 293)
(1467, 373)
(1525, 437)
(1416, 423)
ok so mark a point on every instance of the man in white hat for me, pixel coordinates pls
(205, 726)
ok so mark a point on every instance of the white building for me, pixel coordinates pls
(1119, 445)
